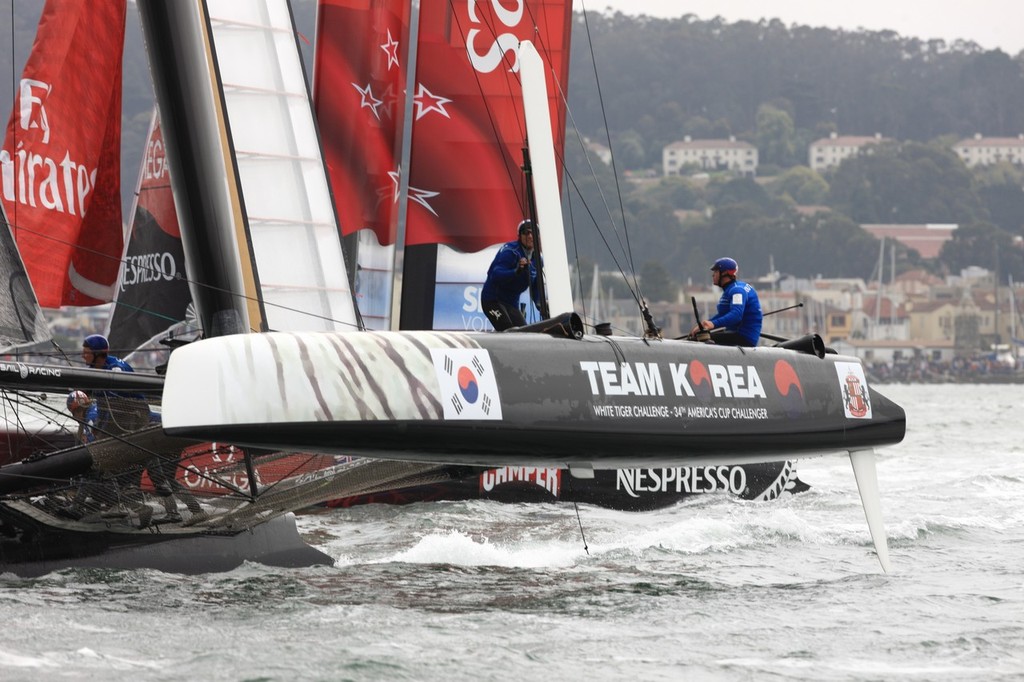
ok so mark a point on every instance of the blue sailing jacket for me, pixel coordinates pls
(505, 283)
(99, 416)
(739, 310)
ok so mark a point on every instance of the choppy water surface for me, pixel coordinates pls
(720, 589)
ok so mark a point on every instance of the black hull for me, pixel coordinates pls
(40, 548)
(635, 490)
(529, 399)
(418, 442)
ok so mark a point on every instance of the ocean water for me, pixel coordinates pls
(719, 589)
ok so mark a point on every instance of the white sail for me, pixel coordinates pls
(292, 228)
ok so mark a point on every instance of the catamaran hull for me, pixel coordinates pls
(632, 489)
(525, 399)
(43, 548)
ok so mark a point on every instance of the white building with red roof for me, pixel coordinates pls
(731, 154)
(829, 152)
(983, 151)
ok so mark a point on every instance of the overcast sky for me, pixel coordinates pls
(990, 23)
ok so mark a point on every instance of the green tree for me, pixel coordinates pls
(1005, 205)
(910, 183)
(675, 192)
(776, 136)
(984, 245)
(740, 191)
(628, 148)
(656, 283)
(802, 185)
(1001, 190)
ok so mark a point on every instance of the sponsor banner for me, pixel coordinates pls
(749, 389)
(677, 378)
(25, 371)
(153, 292)
(220, 469)
(459, 280)
(546, 478)
(469, 389)
(61, 156)
(695, 480)
(854, 385)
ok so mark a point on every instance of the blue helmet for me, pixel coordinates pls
(96, 343)
(726, 265)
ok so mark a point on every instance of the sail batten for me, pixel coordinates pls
(292, 230)
(285, 227)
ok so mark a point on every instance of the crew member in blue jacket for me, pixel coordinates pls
(96, 354)
(511, 273)
(739, 310)
(116, 412)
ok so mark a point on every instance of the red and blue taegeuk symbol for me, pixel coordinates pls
(468, 385)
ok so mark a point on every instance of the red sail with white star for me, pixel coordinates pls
(61, 155)
(359, 75)
(466, 187)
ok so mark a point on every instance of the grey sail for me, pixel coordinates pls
(21, 320)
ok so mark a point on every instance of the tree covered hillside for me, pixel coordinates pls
(778, 87)
(665, 78)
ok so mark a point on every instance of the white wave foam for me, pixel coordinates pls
(457, 548)
(13, 660)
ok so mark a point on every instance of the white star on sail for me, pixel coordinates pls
(368, 99)
(416, 194)
(426, 101)
(391, 50)
(390, 100)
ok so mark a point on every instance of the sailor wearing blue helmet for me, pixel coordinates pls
(96, 354)
(118, 412)
(739, 310)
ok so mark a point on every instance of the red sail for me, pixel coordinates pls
(466, 186)
(61, 155)
(358, 80)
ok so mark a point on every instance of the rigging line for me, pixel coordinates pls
(600, 190)
(604, 118)
(152, 313)
(593, 219)
(60, 351)
(593, 174)
(576, 252)
(42, 406)
(490, 118)
(9, 402)
(579, 520)
(178, 276)
(540, 39)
